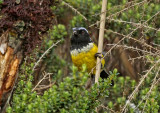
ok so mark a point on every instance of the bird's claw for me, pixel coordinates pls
(99, 55)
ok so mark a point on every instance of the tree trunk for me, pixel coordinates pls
(10, 60)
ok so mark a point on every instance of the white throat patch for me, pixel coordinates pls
(75, 52)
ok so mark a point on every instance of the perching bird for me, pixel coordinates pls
(84, 51)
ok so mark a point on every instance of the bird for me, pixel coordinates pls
(84, 51)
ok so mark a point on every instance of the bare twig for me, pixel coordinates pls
(105, 107)
(44, 87)
(75, 10)
(127, 36)
(136, 58)
(134, 24)
(139, 41)
(44, 77)
(117, 13)
(118, 6)
(46, 52)
(136, 49)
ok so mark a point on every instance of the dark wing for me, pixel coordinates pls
(105, 75)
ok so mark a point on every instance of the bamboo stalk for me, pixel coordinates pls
(100, 42)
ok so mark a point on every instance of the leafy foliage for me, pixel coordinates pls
(124, 87)
(67, 96)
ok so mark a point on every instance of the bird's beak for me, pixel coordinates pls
(75, 33)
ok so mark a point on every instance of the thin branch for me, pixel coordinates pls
(46, 52)
(75, 10)
(45, 87)
(127, 36)
(117, 6)
(136, 58)
(136, 49)
(134, 24)
(44, 77)
(105, 107)
(117, 13)
(139, 41)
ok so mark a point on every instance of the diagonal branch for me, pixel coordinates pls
(46, 52)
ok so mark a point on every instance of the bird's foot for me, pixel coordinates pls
(99, 55)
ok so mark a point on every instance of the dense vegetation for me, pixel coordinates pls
(53, 83)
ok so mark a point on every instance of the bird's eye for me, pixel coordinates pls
(82, 32)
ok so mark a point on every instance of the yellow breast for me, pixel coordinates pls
(86, 56)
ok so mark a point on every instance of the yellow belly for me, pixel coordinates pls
(87, 58)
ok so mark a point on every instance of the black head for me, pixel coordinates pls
(80, 38)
